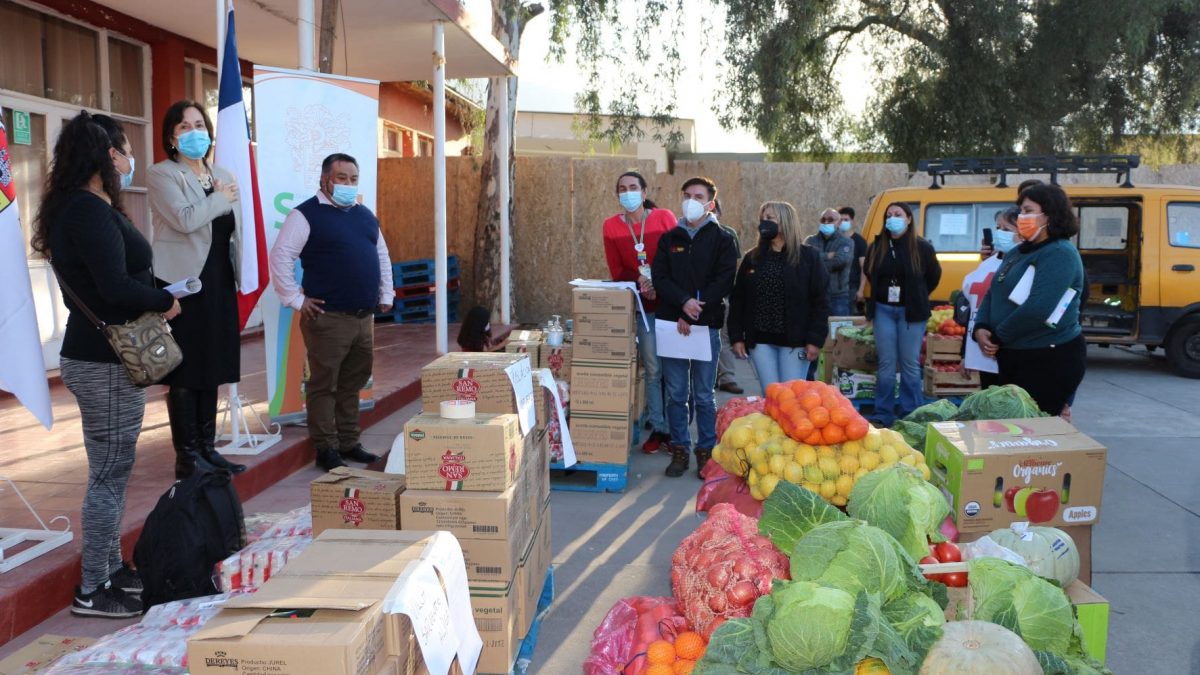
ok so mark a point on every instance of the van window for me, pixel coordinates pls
(1183, 224)
(959, 228)
(1103, 228)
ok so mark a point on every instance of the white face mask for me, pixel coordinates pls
(692, 210)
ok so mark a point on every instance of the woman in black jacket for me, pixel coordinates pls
(903, 270)
(105, 261)
(779, 309)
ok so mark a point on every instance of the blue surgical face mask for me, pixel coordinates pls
(630, 201)
(1003, 240)
(193, 144)
(827, 229)
(895, 225)
(846, 226)
(344, 195)
(127, 178)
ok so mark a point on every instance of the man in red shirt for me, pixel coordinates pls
(630, 240)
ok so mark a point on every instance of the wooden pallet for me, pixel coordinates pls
(585, 477)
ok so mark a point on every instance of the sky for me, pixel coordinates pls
(551, 87)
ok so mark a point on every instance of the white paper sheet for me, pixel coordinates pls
(695, 347)
(521, 377)
(184, 287)
(953, 224)
(632, 286)
(1021, 292)
(447, 557)
(975, 286)
(418, 594)
(395, 462)
(546, 379)
(1061, 308)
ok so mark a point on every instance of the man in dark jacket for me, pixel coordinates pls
(693, 273)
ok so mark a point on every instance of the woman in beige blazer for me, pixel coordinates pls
(197, 226)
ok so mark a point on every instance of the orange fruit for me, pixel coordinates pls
(661, 669)
(689, 645)
(810, 400)
(660, 652)
(841, 415)
(773, 390)
(819, 416)
(814, 438)
(798, 387)
(833, 434)
(857, 428)
(831, 399)
(803, 428)
(684, 667)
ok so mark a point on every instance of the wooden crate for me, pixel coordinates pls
(939, 383)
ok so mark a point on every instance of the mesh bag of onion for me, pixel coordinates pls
(719, 570)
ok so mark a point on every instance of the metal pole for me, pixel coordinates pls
(221, 11)
(439, 184)
(505, 239)
(306, 11)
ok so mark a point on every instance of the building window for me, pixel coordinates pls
(125, 78)
(392, 140)
(426, 146)
(49, 57)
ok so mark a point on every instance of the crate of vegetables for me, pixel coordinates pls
(943, 348)
(944, 378)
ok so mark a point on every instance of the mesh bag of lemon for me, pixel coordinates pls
(756, 448)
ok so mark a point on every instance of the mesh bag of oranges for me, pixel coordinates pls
(814, 413)
(757, 448)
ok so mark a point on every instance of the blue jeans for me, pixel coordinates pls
(899, 345)
(698, 378)
(778, 364)
(653, 370)
(839, 306)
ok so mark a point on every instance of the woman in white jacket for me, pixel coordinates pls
(197, 222)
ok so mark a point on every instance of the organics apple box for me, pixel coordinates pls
(996, 472)
(478, 454)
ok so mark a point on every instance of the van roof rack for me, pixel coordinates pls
(1121, 165)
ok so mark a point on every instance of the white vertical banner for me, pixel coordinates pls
(300, 118)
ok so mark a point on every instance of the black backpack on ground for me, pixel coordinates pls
(196, 524)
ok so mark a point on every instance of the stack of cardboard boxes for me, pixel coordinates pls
(944, 374)
(604, 375)
(486, 482)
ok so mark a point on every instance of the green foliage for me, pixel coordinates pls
(900, 502)
(950, 77)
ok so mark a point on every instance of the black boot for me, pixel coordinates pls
(185, 431)
(702, 457)
(206, 413)
(679, 461)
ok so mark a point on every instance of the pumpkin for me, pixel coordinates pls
(1049, 552)
(979, 648)
(872, 666)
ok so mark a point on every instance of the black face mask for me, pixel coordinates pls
(768, 229)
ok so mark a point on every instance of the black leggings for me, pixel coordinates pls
(1050, 374)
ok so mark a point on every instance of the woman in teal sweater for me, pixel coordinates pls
(1031, 326)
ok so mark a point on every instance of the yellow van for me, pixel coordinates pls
(1140, 244)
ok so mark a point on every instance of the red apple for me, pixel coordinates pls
(1042, 505)
(1009, 495)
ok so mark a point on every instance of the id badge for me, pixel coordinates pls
(644, 270)
(893, 294)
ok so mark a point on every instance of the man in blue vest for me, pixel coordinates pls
(347, 277)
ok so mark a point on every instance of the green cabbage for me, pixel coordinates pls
(900, 502)
(1035, 608)
(998, 403)
(853, 556)
(914, 426)
(809, 625)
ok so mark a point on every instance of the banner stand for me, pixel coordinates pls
(16, 538)
(236, 415)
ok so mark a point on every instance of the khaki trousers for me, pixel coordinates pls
(340, 356)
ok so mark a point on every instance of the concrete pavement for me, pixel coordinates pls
(1146, 548)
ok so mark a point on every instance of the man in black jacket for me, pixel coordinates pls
(693, 273)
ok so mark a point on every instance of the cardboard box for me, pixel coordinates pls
(604, 325)
(558, 360)
(524, 347)
(854, 355)
(39, 655)
(942, 383)
(855, 384)
(836, 322)
(639, 396)
(527, 335)
(471, 376)
(602, 386)
(496, 609)
(603, 348)
(602, 438)
(334, 622)
(532, 571)
(1092, 610)
(602, 301)
(943, 348)
(982, 465)
(350, 499)
(478, 454)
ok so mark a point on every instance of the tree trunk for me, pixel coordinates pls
(508, 21)
(328, 24)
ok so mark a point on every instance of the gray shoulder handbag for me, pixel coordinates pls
(144, 345)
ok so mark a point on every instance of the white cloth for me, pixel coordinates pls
(293, 235)
(975, 286)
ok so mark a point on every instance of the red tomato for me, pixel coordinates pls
(947, 552)
(930, 560)
(955, 579)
